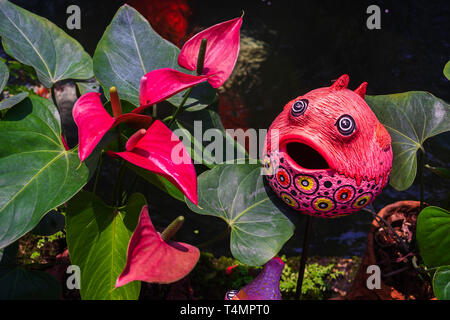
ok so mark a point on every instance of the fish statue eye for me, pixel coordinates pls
(346, 125)
(299, 107)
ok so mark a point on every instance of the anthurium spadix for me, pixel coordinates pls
(93, 121)
(153, 257)
(160, 151)
(212, 53)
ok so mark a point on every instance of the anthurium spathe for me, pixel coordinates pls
(93, 121)
(160, 151)
(160, 84)
(212, 53)
(153, 258)
(221, 51)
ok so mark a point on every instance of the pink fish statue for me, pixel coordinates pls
(326, 154)
(266, 286)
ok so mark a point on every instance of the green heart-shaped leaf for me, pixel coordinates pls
(159, 181)
(441, 283)
(411, 118)
(4, 75)
(129, 49)
(35, 41)
(433, 236)
(97, 238)
(237, 194)
(447, 70)
(205, 148)
(12, 101)
(37, 174)
(21, 284)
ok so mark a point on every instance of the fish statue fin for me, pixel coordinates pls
(340, 83)
(361, 90)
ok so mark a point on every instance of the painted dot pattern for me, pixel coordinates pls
(283, 177)
(306, 184)
(321, 193)
(289, 200)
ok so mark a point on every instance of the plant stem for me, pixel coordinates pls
(155, 111)
(421, 169)
(200, 64)
(393, 234)
(52, 92)
(99, 169)
(180, 107)
(118, 185)
(304, 257)
(213, 240)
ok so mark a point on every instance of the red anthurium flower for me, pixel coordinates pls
(160, 84)
(221, 51)
(160, 151)
(93, 121)
(152, 259)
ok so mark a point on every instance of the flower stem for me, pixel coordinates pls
(200, 65)
(304, 257)
(99, 169)
(118, 185)
(214, 240)
(180, 107)
(53, 94)
(172, 228)
(421, 167)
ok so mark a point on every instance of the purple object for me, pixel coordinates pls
(266, 286)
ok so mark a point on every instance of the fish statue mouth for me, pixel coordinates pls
(305, 155)
(306, 181)
(326, 153)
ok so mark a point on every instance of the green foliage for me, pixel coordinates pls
(37, 42)
(236, 194)
(316, 281)
(210, 280)
(129, 49)
(16, 93)
(97, 238)
(410, 118)
(4, 75)
(441, 283)
(433, 236)
(447, 70)
(21, 284)
(32, 155)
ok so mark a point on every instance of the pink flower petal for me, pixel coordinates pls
(151, 259)
(160, 151)
(93, 121)
(160, 84)
(222, 50)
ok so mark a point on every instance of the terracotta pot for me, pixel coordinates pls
(404, 283)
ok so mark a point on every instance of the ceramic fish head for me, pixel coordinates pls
(326, 154)
(266, 286)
